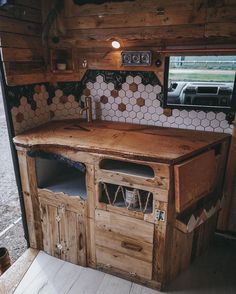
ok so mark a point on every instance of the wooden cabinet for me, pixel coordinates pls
(63, 227)
(140, 212)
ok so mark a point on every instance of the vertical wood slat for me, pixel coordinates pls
(29, 189)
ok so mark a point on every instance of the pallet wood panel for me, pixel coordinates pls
(126, 226)
(194, 179)
(123, 262)
(22, 13)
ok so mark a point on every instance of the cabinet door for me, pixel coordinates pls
(72, 237)
(49, 216)
(63, 233)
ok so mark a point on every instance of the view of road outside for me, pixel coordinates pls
(11, 230)
(202, 68)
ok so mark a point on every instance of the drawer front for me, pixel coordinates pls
(126, 263)
(123, 225)
(124, 243)
(194, 179)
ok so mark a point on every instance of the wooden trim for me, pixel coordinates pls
(13, 276)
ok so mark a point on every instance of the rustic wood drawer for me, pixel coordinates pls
(124, 243)
(194, 179)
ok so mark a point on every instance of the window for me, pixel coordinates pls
(200, 82)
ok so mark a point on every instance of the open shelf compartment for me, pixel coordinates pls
(59, 176)
(126, 197)
(125, 167)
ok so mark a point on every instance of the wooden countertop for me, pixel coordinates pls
(138, 142)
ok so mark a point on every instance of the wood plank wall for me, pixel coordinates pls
(20, 42)
(150, 24)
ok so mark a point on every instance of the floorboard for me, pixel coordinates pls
(212, 273)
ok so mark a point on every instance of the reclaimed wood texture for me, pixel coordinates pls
(194, 179)
(63, 226)
(124, 243)
(161, 144)
(20, 42)
(30, 196)
(143, 24)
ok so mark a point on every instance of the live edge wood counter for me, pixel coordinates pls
(176, 175)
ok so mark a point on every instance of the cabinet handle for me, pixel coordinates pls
(81, 245)
(131, 246)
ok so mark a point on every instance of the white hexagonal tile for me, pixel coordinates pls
(140, 115)
(129, 107)
(107, 92)
(215, 123)
(156, 103)
(218, 130)
(205, 122)
(141, 88)
(93, 92)
(201, 115)
(149, 88)
(183, 113)
(148, 102)
(144, 95)
(129, 94)
(89, 85)
(112, 112)
(187, 121)
(104, 86)
(125, 114)
(151, 109)
(192, 114)
(157, 89)
(114, 106)
(155, 117)
(171, 119)
(111, 99)
(125, 87)
(144, 109)
(148, 116)
(211, 115)
(152, 96)
(137, 95)
(96, 86)
(110, 86)
(136, 108)
(129, 79)
(179, 120)
(159, 110)
(99, 79)
(132, 101)
(175, 112)
(166, 124)
(121, 93)
(196, 122)
(100, 92)
(224, 124)
(132, 114)
(137, 80)
(162, 118)
(174, 125)
(220, 116)
(126, 100)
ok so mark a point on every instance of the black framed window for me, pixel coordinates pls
(200, 82)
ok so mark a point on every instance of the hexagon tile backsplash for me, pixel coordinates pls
(117, 96)
(137, 102)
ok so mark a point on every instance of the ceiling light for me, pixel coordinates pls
(115, 44)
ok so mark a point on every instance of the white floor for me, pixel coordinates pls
(213, 273)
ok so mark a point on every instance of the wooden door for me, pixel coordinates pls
(63, 233)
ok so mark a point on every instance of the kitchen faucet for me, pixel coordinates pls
(88, 109)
